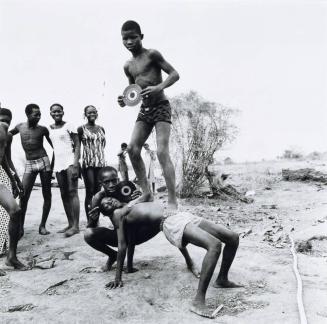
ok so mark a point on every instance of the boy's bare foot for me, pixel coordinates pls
(201, 309)
(110, 262)
(146, 197)
(14, 262)
(43, 231)
(72, 231)
(220, 283)
(64, 229)
(172, 205)
(196, 272)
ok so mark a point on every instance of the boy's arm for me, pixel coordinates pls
(94, 211)
(47, 136)
(122, 247)
(173, 75)
(77, 154)
(131, 80)
(11, 164)
(15, 130)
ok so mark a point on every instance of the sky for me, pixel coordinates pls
(266, 59)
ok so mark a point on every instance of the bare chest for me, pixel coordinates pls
(31, 135)
(143, 67)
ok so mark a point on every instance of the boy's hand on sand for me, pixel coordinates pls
(150, 91)
(115, 284)
(121, 102)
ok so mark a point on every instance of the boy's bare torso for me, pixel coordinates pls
(143, 70)
(32, 140)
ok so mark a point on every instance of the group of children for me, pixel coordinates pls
(136, 220)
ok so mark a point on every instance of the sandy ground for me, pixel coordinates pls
(162, 290)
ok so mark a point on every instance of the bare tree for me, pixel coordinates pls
(200, 128)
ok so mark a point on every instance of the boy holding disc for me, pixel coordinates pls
(144, 69)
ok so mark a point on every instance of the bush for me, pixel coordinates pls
(199, 129)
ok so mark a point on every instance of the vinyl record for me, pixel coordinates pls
(132, 95)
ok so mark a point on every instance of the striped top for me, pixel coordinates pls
(93, 147)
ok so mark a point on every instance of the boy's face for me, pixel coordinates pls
(5, 119)
(109, 181)
(57, 113)
(132, 40)
(35, 116)
(109, 204)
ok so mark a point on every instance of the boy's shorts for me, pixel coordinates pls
(161, 112)
(38, 165)
(173, 226)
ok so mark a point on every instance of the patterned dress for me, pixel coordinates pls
(93, 148)
(4, 216)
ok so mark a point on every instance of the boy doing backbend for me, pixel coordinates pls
(145, 69)
(139, 223)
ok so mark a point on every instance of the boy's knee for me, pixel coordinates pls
(133, 150)
(215, 246)
(162, 154)
(72, 193)
(234, 239)
(14, 212)
(88, 235)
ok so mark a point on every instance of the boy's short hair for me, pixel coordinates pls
(131, 25)
(6, 112)
(56, 104)
(106, 169)
(123, 145)
(29, 108)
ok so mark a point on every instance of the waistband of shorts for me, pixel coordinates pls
(156, 104)
(41, 159)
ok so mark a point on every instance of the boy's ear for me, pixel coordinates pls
(142, 36)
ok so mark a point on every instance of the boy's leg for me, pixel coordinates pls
(195, 235)
(28, 183)
(90, 187)
(231, 240)
(62, 183)
(140, 134)
(9, 204)
(163, 135)
(99, 238)
(73, 202)
(45, 177)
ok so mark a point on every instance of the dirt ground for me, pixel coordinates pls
(163, 288)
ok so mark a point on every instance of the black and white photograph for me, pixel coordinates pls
(163, 161)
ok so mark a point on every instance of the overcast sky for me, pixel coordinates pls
(265, 58)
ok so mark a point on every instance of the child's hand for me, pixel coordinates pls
(136, 194)
(150, 91)
(75, 172)
(94, 213)
(121, 102)
(114, 284)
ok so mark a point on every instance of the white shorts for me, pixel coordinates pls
(173, 226)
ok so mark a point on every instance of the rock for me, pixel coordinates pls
(2, 273)
(247, 232)
(147, 276)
